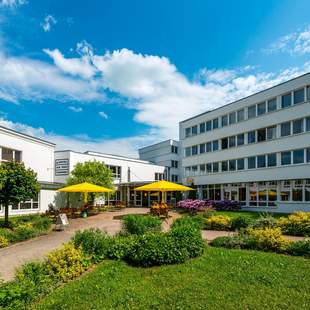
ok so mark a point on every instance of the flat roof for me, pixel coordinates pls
(17, 133)
(230, 103)
(145, 147)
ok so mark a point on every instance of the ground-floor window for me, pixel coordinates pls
(32, 204)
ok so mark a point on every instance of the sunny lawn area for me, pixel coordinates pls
(220, 279)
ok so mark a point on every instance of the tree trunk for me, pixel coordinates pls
(6, 215)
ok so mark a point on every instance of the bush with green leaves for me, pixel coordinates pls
(296, 224)
(218, 222)
(299, 248)
(265, 220)
(195, 222)
(240, 222)
(140, 224)
(233, 242)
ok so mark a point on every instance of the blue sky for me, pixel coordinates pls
(116, 75)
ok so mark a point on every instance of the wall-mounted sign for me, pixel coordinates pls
(61, 166)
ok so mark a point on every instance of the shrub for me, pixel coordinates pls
(138, 225)
(4, 242)
(233, 242)
(93, 243)
(265, 220)
(218, 222)
(268, 239)
(121, 246)
(297, 224)
(66, 263)
(195, 222)
(42, 223)
(240, 222)
(299, 248)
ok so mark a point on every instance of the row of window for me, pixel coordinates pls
(32, 204)
(10, 154)
(260, 135)
(298, 156)
(159, 176)
(287, 100)
(174, 178)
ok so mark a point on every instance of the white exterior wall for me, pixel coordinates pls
(160, 154)
(139, 170)
(37, 155)
(296, 141)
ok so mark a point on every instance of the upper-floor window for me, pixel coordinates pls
(261, 135)
(240, 139)
(116, 171)
(208, 125)
(285, 129)
(224, 166)
(232, 141)
(272, 105)
(209, 147)
(224, 120)
(308, 92)
(194, 150)
(261, 108)
(202, 148)
(159, 176)
(252, 136)
(188, 151)
(308, 123)
(299, 96)
(271, 132)
(272, 160)
(286, 100)
(261, 161)
(298, 156)
(10, 155)
(188, 132)
(308, 155)
(194, 130)
(202, 127)
(252, 162)
(216, 167)
(215, 123)
(240, 115)
(286, 158)
(298, 126)
(224, 143)
(215, 145)
(232, 118)
(174, 163)
(240, 164)
(174, 149)
(252, 111)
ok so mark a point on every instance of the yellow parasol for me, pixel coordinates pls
(163, 186)
(85, 188)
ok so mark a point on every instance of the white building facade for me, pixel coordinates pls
(167, 154)
(128, 173)
(36, 154)
(255, 150)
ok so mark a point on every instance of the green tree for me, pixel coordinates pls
(95, 172)
(17, 184)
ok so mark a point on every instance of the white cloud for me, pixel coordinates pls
(11, 3)
(48, 22)
(103, 115)
(294, 43)
(75, 109)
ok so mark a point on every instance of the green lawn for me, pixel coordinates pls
(220, 279)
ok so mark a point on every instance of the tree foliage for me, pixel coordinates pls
(17, 184)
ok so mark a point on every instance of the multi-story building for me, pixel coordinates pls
(36, 154)
(165, 153)
(255, 150)
(128, 173)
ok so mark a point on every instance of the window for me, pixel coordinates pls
(215, 123)
(307, 190)
(188, 151)
(272, 160)
(159, 176)
(308, 155)
(261, 161)
(308, 123)
(224, 120)
(285, 129)
(286, 191)
(240, 164)
(18, 156)
(7, 154)
(298, 156)
(187, 132)
(261, 135)
(232, 165)
(252, 111)
(252, 137)
(252, 162)
(215, 167)
(209, 168)
(232, 118)
(174, 149)
(202, 127)
(215, 144)
(116, 171)
(194, 130)
(208, 126)
(175, 178)
(194, 170)
(299, 96)
(286, 100)
(240, 139)
(202, 148)
(224, 166)
(271, 132)
(174, 163)
(224, 143)
(209, 147)
(194, 150)
(298, 126)
(308, 92)
(261, 108)
(202, 168)
(232, 141)
(272, 105)
(285, 158)
(240, 115)
(297, 190)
